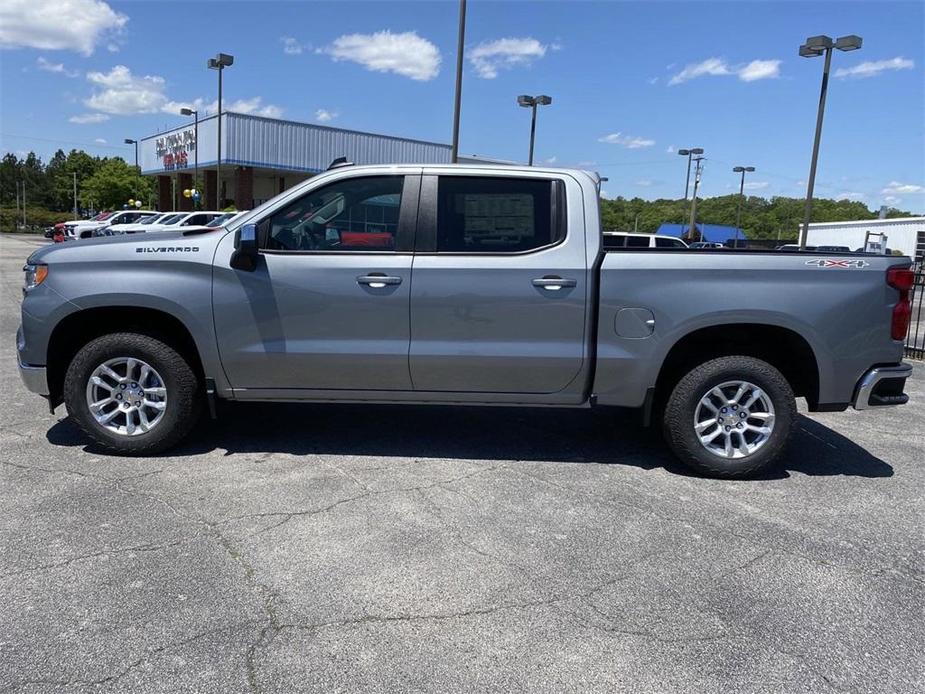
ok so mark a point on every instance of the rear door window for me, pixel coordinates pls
(637, 241)
(492, 214)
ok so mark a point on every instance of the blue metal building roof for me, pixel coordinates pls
(714, 233)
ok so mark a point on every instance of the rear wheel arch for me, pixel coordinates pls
(783, 348)
(77, 329)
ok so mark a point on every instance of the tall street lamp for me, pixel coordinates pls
(219, 62)
(697, 171)
(129, 141)
(460, 44)
(742, 170)
(814, 47)
(689, 153)
(533, 102)
(193, 112)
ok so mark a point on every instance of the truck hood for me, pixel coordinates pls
(176, 245)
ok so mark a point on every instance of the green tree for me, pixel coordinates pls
(114, 184)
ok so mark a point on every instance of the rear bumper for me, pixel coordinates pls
(882, 386)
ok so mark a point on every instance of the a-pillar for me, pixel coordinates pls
(185, 181)
(210, 201)
(164, 201)
(243, 187)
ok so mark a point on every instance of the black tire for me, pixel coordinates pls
(678, 422)
(184, 401)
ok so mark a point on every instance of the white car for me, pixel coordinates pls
(183, 219)
(83, 229)
(226, 218)
(625, 239)
(142, 225)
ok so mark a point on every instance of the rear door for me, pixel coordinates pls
(500, 285)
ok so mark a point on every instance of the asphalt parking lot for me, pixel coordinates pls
(347, 548)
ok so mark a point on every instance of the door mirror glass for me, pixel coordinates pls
(245, 249)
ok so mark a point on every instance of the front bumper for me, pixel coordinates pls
(35, 378)
(882, 386)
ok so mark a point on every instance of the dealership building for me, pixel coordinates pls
(262, 157)
(903, 234)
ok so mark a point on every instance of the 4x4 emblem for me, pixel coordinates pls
(837, 262)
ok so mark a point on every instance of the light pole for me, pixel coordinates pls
(130, 141)
(816, 46)
(193, 112)
(689, 153)
(697, 171)
(460, 44)
(219, 62)
(75, 195)
(532, 102)
(742, 170)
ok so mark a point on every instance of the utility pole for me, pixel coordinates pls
(24, 204)
(460, 46)
(16, 216)
(697, 171)
(75, 195)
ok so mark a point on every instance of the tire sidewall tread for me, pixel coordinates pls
(183, 397)
(679, 415)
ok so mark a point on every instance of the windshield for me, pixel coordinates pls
(221, 219)
(149, 219)
(172, 219)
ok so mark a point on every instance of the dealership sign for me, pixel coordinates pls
(174, 149)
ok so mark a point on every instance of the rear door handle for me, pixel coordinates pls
(378, 280)
(553, 284)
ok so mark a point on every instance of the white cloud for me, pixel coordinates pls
(503, 54)
(324, 116)
(627, 141)
(551, 160)
(586, 163)
(755, 70)
(121, 93)
(74, 25)
(670, 149)
(405, 54)
(85, 118)
(653, 80)
(872, 68)
(291, 46)
(644, 182)
(848, 195)
(59, 68)
(897, 188)
(759, 70)
(892, 200)
(756, 185)
(100, 141)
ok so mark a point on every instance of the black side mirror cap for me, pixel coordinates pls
(245, 249)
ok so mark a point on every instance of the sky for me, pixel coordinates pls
(631, 83)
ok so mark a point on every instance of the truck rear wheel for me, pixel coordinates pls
(131, 393)
(730, 417)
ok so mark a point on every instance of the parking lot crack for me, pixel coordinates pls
(94, 555)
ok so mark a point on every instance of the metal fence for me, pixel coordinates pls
(915, 336)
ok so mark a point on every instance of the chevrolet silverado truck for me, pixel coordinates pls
(458, 285)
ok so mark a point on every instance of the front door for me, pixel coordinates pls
(500, 289)
(327, 306)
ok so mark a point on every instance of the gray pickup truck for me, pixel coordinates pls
(458, 285)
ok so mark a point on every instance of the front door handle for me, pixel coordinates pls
(552, 283)
(378, 280)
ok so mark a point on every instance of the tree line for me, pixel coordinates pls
(109, 182)
(103, 183)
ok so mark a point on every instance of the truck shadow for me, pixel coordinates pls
(479, 433)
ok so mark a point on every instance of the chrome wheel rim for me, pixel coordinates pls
(126, 396)
(734, 419)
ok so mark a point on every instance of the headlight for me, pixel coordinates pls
(35, 275)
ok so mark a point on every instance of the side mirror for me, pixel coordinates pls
(245, 249)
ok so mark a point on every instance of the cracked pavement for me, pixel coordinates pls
(365, 548)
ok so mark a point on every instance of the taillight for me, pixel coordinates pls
(901, 279)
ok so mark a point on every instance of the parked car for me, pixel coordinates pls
(84, 229)
(700, 245)
(184, 219)
(473, 284)
(622, 239)
(141, 225)
(226, 218)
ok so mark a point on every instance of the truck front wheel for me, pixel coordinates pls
(131, 393)
(730, 417)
